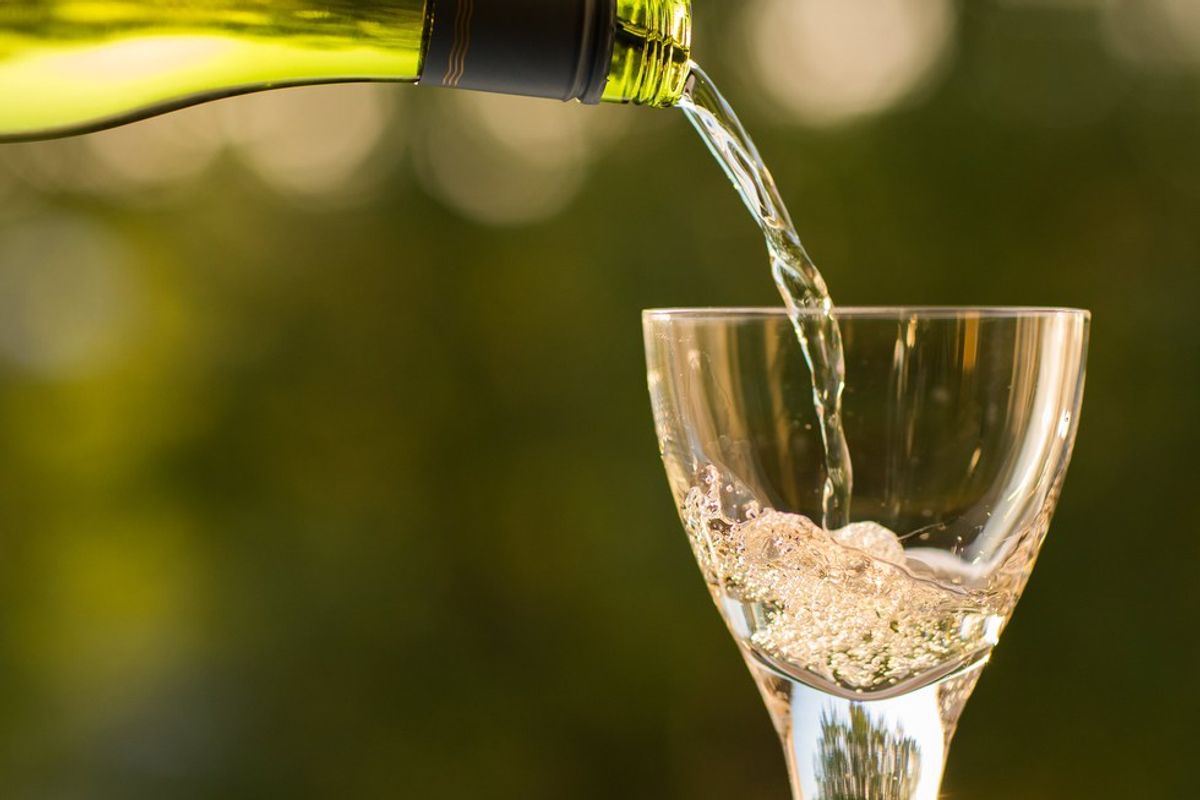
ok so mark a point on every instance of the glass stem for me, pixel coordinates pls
(842, 749)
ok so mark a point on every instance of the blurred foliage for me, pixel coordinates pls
(328, 469)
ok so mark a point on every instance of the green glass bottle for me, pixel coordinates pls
(69, 66)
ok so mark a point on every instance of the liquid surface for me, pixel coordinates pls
(800, 282)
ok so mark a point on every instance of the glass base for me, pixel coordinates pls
(839, 748)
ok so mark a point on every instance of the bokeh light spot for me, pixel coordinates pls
(157, 152)
(505, 161)
(830, 61)
(66, 296)
(1158, 33)
(312, 140)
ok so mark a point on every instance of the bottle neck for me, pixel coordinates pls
(622, 51)
(68, 67)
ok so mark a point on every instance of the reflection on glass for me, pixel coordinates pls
(860, 757)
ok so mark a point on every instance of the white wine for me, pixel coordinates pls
(68, 66)
(850, 610)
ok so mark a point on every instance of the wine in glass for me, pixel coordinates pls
(866, 641)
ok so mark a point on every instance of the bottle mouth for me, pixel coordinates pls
(651, 57)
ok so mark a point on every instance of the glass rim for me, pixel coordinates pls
(746, 313)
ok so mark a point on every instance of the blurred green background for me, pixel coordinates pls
(327, 468)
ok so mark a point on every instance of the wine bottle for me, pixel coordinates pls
(70, 66)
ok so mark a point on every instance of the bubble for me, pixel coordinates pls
(784, 540)
(873, 539)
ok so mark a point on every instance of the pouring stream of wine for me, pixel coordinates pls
(803, 289)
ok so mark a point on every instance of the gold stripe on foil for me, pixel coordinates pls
(462, 43)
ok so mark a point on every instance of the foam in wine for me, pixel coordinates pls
(847, 607)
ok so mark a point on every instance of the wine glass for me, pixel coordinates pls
(866, 641)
